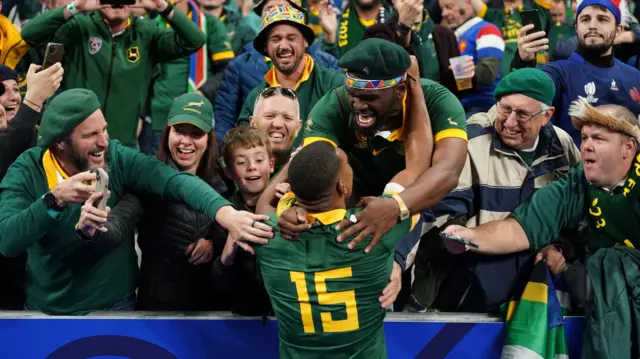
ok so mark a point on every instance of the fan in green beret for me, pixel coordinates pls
(530, 82)
(374, 64)
(64, 113)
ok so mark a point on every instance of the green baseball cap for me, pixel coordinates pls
(193, 109)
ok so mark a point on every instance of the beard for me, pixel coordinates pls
(290, 67)
(597, 50)
(80, 162)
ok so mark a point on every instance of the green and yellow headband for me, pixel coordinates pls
(357, 83)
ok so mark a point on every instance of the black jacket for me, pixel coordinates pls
(167, 280)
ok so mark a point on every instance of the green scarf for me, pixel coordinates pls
(611, 214)
(351, 30)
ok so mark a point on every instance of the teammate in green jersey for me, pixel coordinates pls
(325, 296)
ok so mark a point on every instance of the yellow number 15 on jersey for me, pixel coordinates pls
(346, 298)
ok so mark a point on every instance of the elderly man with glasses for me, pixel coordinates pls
(513, 151)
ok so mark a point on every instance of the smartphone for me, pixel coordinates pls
(458, 239)
(118, 3)
(531, 17)
(102, 185)
(52, 55)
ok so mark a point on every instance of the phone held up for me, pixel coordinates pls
(53, 54)
(117, 3)
(102, 186)
(531, 17)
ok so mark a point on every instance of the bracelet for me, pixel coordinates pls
(33, 103)
(166, 11)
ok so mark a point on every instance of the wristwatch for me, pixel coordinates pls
(404, 211)
(71, 8)
(51, 202)
(167, 10)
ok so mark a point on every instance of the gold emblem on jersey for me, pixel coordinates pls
(133, 54)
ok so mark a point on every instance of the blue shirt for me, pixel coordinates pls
(573, 77)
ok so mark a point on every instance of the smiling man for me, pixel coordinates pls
(277, 114)
(41, 196)
(600, 196)
(591, 71)
(284, 38)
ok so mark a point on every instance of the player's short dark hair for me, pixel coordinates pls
(313, 171)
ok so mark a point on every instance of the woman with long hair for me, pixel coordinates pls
(177, 243)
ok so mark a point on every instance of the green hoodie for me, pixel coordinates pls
(56, 283)
(117, 68)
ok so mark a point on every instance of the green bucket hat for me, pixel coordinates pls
(193, 109)
(530, 82)
(64, 113)
(282, 14)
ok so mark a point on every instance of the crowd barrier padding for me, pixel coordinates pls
(221, 336)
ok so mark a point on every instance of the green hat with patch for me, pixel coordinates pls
(530, 82)
(64, 113)
(193, 109)
(375, 64)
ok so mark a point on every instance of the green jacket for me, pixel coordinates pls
(118, 69)
(239, 30)
(172, 79)
(55, 283)
(321, 80)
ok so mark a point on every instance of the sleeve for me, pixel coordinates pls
(489, 42)
(182, 39)
(227, 100)
(121, 224)
(460, 201)
(247, 108)
(400, 230)
(142, 173)
(51, 25)
(24, 219)
(554, 70)
(218, 43)
(552, 208)
(18, 137)
(331, 49)
(328, 120)
(447, 115)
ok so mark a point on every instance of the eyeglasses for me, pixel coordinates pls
(277, 90)
(521, 116)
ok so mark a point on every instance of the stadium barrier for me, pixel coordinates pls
(223, 335)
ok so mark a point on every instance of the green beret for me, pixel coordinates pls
(64, 113)
(193, 109)
(376, 59)
(530, 82)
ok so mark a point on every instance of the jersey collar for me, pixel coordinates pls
(327, 218)
(272, 80)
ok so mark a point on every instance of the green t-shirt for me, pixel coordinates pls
(376, 160)
(325, 296)
(527, 156)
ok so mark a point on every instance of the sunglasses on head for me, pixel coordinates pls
(277, 90)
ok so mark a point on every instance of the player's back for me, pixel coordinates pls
(325, 296)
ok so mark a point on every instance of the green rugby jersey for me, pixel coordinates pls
(325, 296)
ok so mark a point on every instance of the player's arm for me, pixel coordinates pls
(418, 144)
(268, 201)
